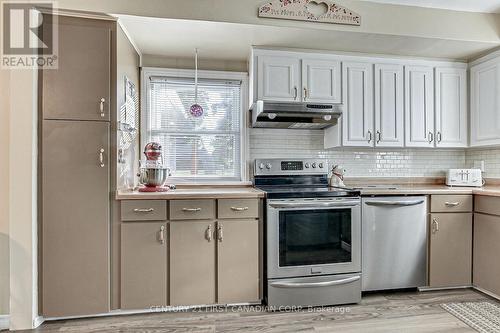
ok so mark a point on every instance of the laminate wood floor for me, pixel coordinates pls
(382, 312)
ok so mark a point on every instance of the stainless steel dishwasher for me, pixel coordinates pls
(394, 242)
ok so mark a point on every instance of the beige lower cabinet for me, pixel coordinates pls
(450, 250)
(143, 265)
(192, 262)
(487, 252)
(238, 261)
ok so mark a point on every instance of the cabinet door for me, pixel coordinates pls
(485, 95)
(80, 88)
(419, 106)
(279, 79)
(192, 262)
(357, 118)
(321, 81)
(75, 221)
(389, 114)
(451, 112)
(487, 252)
(450, 250)
(143, 265)
(238, 261)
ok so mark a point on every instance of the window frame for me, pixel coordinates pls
(148, 72)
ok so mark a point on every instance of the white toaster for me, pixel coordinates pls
(464, 177)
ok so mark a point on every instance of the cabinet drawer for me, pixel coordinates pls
(451, 203)
(144, 210)
(238, 208)
(192, 209)
(487, 205)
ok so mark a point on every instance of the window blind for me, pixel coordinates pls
(208, 147)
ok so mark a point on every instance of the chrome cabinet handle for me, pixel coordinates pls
(220, 232)
(435, 225)
(101, 106)
(431, 137)
(394, 203)
(161, 235)
(314, 284)
(370, 136)
(379, 136)
(191, 209)
(305, 93)
(239, 209)
(101, 157)
(452, 204)
(143, 210)
(296, 93)
(317, 205)
(208, 233)
(439, 137)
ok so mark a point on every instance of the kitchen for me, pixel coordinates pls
(238, 122)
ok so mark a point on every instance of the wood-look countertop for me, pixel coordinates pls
(421, 189)
(193, 193)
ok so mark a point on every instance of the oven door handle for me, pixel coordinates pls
(344, 204)
(395, 203)
(314, 284)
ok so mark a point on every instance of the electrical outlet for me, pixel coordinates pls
(479, 165)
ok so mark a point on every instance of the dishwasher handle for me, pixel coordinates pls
(402, 203)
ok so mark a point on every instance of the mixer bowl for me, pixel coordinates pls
(153, 177)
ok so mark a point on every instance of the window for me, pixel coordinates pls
(196, 149)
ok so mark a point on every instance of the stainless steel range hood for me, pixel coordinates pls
(294, 115)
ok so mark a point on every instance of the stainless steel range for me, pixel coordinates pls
(313, 235)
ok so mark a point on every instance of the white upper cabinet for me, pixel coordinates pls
(451, 111)
(389, 108)
(321, 81)
(279, 78)
(357, 118)
(485, 94)
(419, 106)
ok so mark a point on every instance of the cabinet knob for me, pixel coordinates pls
(161, 235)
(435, 225)
(208, 233)
(220, 232)
(101, 157)
(101, 106)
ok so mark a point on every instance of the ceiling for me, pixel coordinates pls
(232, 41)
(482, 6)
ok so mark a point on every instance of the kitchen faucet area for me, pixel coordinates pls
(250, 166)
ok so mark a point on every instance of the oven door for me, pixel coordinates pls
(313, 237)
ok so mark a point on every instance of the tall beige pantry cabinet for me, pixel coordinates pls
(74, 160)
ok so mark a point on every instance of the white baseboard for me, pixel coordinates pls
(38, 321)
(4, 322)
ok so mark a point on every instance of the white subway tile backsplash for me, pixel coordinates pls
(359, 162)
(491, 158)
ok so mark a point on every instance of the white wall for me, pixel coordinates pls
(23, 198)
(4, 194)
(188, 63)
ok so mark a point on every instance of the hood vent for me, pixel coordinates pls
(294, 115)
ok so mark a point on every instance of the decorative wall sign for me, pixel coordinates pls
(324, 11)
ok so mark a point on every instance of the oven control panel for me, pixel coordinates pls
(309, 166)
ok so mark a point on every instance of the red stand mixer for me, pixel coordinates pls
(152, 172)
